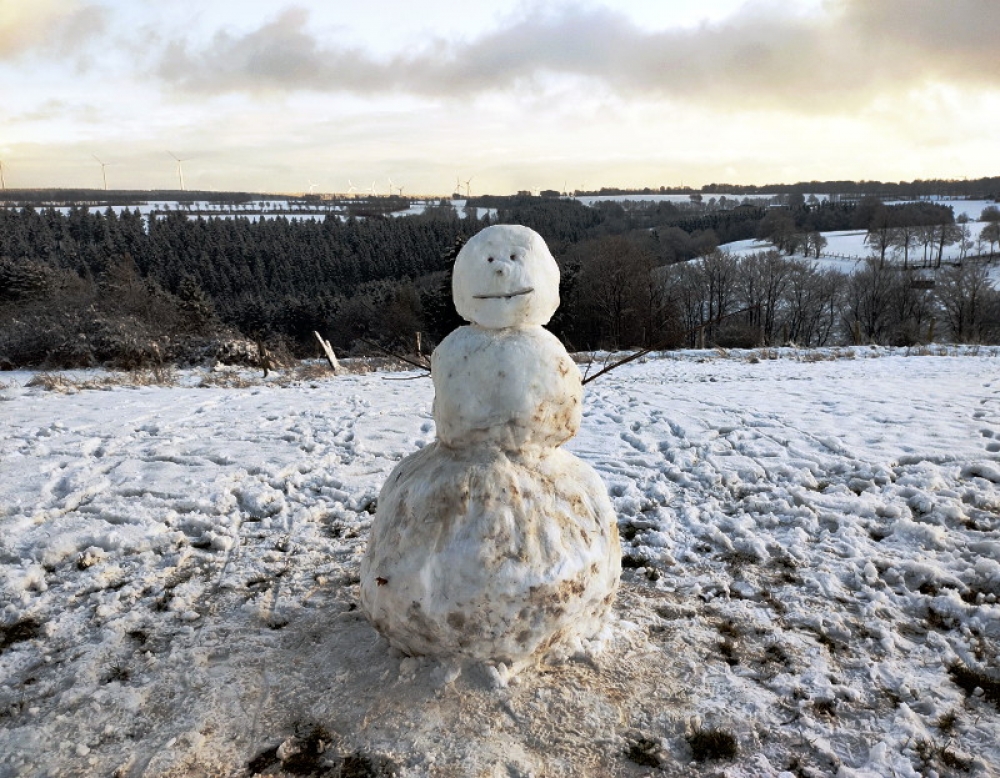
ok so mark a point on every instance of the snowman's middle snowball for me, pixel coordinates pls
(512, 388)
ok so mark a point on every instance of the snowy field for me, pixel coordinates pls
(812, 551)
(657, 197)
(846, 249)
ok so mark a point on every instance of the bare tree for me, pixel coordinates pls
(945, 235)
(881, 229)
(968, 300)
(910, 306)
(816, 242)
(925, 237)
(990, 234)
(905, 237)
(866, 301)
(718, 272)
(778, 226)
(702, 293)
(811, 308)
(616, 291)
(762, 280)
(965, 241)
(990, 213)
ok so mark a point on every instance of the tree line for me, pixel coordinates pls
(82, 287)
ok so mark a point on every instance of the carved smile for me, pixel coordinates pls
(503, 296)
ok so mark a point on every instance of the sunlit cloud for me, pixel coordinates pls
(856, 50)
(49, 27)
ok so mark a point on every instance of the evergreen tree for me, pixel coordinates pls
(195, 306)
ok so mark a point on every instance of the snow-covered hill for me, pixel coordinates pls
(812, 542)
(846, 249)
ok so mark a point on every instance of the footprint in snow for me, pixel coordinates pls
(93, 447)
(635, 442)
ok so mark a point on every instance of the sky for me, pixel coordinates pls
(494, 97)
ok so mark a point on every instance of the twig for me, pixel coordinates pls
(400, 357)
(619, 363)
(643, 352)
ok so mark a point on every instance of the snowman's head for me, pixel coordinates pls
(505, 277)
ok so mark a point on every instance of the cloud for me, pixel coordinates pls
(765, 56)
(281, 54)
(953, 40)
(49, 26)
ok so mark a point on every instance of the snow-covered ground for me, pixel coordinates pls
(970, 208)
(846, 250)
(676, 199)
(812, 543)
(211, 207)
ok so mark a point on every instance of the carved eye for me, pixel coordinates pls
(489, 259)
(513, 257)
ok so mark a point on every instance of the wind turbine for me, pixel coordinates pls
(458, 186)
(468, 187)
(3, 184)
(104, 172)
(390, 186)
(312, 186)
(180, 170)
(372, 189)
(351, 187)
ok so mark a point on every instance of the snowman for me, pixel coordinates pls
(493, 543)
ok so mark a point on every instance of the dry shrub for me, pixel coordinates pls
(312, 371)
(711, 744)
(159, 375)
(229, 379)
(52, 382)
(58, 382)
(827, 355)
(362, 365)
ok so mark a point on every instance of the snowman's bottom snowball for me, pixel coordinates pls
(496, 557)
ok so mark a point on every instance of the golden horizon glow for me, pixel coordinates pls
(514, 96)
